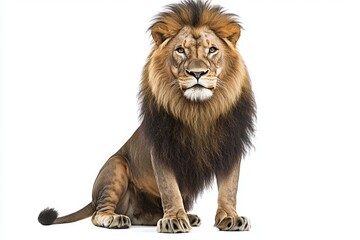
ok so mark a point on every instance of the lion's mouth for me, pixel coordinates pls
(198, 93)
(199, 90)
(198, 86)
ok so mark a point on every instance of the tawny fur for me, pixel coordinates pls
(182, 143)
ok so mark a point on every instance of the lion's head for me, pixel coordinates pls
(195, 71)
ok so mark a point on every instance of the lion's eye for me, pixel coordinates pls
(180, 50)
(213, 50)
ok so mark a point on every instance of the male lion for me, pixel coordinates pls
(198, 114)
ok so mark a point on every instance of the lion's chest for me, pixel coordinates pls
(196, 157)
(193, 159)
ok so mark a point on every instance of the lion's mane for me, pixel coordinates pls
(196, 140)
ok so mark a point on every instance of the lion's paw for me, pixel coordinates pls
(120, 221)
(237, 223)
(173, 225)
(111, 221)
(194, 220)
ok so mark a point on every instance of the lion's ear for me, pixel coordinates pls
(230, 32)
(159, 33)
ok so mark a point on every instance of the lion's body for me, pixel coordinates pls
(197, 112)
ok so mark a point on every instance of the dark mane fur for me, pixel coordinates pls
(196, 159)
(195, 13)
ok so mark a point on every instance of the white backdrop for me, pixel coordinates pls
(69, 78)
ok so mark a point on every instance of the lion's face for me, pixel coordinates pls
(196, 62)
(194, 71)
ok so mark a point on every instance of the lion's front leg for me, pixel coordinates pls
(226, 218)
(175, 219)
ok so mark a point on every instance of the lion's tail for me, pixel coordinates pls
(49, 216)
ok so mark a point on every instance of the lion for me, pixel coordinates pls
(198, 113)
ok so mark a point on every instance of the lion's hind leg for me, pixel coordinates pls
(109, 190)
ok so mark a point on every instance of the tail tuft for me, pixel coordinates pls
(47, 216)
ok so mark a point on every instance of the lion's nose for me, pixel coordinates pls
(197, 74)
